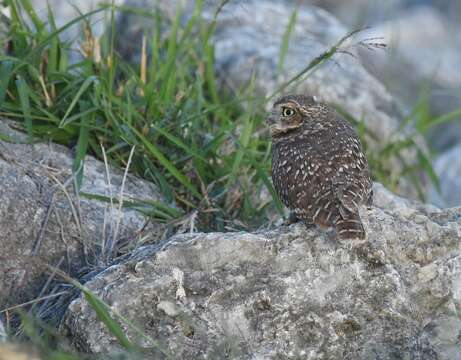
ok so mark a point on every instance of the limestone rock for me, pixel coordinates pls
(42, 219)
(291, 292)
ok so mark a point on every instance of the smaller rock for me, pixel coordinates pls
(43, 221)
(385, 199)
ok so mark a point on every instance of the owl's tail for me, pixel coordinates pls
(349, 226)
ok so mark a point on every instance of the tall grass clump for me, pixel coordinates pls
(199, 146)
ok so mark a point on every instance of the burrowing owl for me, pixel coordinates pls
(318, 167)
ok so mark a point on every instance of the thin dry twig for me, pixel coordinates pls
(37, 300)
(111, 212)
(48, 282)
(120, 201)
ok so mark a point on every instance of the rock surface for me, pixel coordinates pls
(41, 218)
(448, 168)
(292, 292)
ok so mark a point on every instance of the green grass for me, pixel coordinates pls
(191, 140)
(205, 149)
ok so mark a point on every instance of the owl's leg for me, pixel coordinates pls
(309, 224)
(292, 219)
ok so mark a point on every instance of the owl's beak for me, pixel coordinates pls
(272, 122)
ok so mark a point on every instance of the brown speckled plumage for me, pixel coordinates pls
(318, 167)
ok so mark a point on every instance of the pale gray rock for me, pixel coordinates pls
(290, 293)
(385, 199)
(424, 52)
(42, 220)
(448, 168)
(359, 13)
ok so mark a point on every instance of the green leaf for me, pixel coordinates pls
(265, 179)
(286, 39)
(88, 81)
(178, 142)
(103, 314)
(29, 9)
(426, 164)
(244, 138)
(23, 92)
(5, 75)
(148, 207)
(167, 164)
(442, 119)
(82, 143)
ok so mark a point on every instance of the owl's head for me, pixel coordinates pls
(289, 113)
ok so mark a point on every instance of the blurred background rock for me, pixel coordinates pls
(421, 65)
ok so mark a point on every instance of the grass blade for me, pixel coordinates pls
(82, 143)
(442, 119)
(312, 65)
(23, 92)
(262, 173)
(5, 75)
(244, 137)
(286, 40)
(29, 9)
(103, 314)
(178, 142)
(88, 81)
(426, 164)
(167, 164)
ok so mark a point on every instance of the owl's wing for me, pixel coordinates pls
(350, 197)
(352, 181)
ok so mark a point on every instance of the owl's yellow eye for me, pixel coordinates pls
(288, 112)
